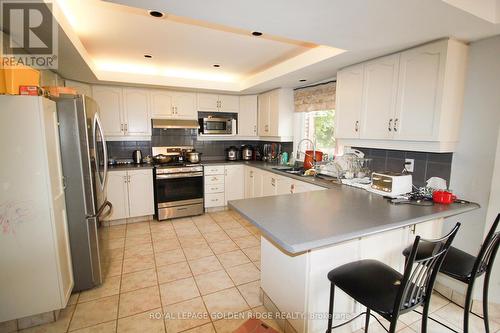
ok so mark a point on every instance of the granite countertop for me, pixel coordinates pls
(124, 167)
(311, 220)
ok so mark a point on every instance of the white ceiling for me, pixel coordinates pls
(365, 28)
(116, 38)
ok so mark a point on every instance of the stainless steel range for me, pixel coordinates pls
(178, 185)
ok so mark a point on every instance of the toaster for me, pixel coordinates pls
(391, 184)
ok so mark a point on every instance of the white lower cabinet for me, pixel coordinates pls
(130, 193)
(234, 182)
(214, 186)
(253, 182)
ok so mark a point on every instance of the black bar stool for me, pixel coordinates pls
(386, 291)
(465, 268)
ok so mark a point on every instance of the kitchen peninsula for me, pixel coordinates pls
(306, 235)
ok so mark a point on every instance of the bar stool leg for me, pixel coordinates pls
(467, 305)
(394, 322)
(330, 309)
(485, 301)
(425, 314)
(367, 319)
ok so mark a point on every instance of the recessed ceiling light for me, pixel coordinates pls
(149, 56)
(256, 33)
(216, 65)
(155, 13)
(302, 80)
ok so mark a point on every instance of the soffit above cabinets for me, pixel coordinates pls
(114, 39)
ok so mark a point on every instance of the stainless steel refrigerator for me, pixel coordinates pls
(84, 162)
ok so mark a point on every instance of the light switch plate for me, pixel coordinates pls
(409, 164)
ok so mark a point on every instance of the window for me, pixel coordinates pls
(318, 126)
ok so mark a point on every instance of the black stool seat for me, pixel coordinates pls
(384, 290)
(463, 267)
(457, 264)
(370, 282)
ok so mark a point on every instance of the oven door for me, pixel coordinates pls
(179, 195)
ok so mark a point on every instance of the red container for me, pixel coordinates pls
(308, 159)
(443, 197)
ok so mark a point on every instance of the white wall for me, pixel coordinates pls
(474, 159)
(493, 210)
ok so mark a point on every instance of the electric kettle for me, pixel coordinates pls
(137, 156)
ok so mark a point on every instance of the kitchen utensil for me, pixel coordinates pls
(193, 157)
(308, 159)
(232, 153)
(443, 197)
(391, 184)
(137, 156)
(162, 159)
(284, 158)
(148, 159)
(246, 152)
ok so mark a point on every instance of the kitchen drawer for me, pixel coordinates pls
(214, 188)
(214, 179)
(214, 200)
(214, 170)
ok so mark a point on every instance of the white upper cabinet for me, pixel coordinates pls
(161, 103)
(247, 118)
(136, 112)
(124, 112)
(263, 112)
(275, 113)
(172, 104)
(420, 92)
(412, 100)
(349, 101)
(430, 92)
(229, 103)
(379, 97)
(184, 105)
(207, 102)
(109, 100)
(218, 103)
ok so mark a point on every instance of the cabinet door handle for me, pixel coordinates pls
(390, 125)
(126, 127)
(255, 129)
(396, 124)
(121, 127)
(356, 125)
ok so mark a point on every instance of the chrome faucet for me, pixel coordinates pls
(314, 150)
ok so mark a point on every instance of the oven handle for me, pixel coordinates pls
(180, 175)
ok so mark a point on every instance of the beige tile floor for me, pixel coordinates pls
(200, 266)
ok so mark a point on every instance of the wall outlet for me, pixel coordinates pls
(409, 164)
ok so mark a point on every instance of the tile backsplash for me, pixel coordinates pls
(426, 165)
(211, 150)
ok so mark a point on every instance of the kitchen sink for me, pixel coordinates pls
(293, 171)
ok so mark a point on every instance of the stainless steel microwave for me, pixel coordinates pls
(213, 125)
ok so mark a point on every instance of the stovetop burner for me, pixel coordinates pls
(176, 153)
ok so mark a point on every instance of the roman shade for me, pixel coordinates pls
(319, 97)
